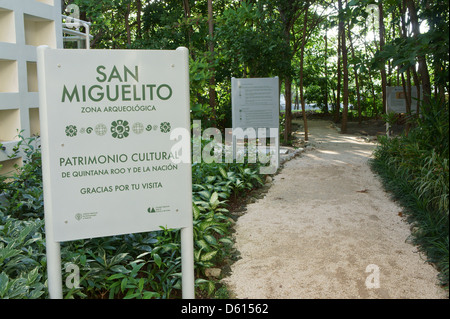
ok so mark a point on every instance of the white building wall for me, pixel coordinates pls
(24, 25)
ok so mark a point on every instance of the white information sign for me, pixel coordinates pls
(255, 114)
(396, 99)
(255, 103)
(106, 118)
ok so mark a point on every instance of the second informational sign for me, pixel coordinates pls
(255, 116)
(255, 103)
(396, 99)
(106, 118)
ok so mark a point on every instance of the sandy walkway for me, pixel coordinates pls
(324, 221)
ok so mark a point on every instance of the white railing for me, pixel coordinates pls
(71, 30)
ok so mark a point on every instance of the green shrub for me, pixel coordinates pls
(141, 266)
(415, 168)
(23, 190)
(22, 258)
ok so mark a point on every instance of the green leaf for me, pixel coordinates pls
(202, 244)
(6, 253)
(4, 280)
(209, 223)
(118, 258)
(120, 269)
(211, 288)
(143, 254)
(157, 260)
(131, 295)
(195, 211)
(226, 241)
(210, 239)
(150, 294)
(223, 210)
(214, 200)
(208, 256)
(223, 172)
(205, 194)
(116, 276)
(123, 284)
(141, 284)
(210, 179)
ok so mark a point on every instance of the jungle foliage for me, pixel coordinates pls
(141, 265)
(415, 168)
(336, 55)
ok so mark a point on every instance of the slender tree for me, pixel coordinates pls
(326, 66)
(345, 69)
(423, 69)
(355, 71)
(381, 30)
(310, 22)
(127, 22)
(337, 109)
(302, 54)
(212, 80)
(289, 13)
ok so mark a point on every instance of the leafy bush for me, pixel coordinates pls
(141, 266)
(22, 258)
(24, 189)
(416, 169)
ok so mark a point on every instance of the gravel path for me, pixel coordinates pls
(327, 229)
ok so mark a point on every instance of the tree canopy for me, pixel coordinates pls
(338, 55)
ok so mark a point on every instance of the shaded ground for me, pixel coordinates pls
(368, 127)
(327, 229)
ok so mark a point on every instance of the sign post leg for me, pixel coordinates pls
(187, 262)
(53, 250)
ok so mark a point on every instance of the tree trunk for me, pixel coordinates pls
(338, 88)
(326, 68)
(287, 109)
(212, 80)
(287, 92)
(374, 105)
(423, 69)
(187, 15)
(358, 94)
(383, 69)
(406, 93)
(344, 66)
(127, 24)
(138, 18)
(186, 9)
(412, 68)
(302, 54)
(333, 96)
(417, 84)
(406, 86)
(289, 13)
